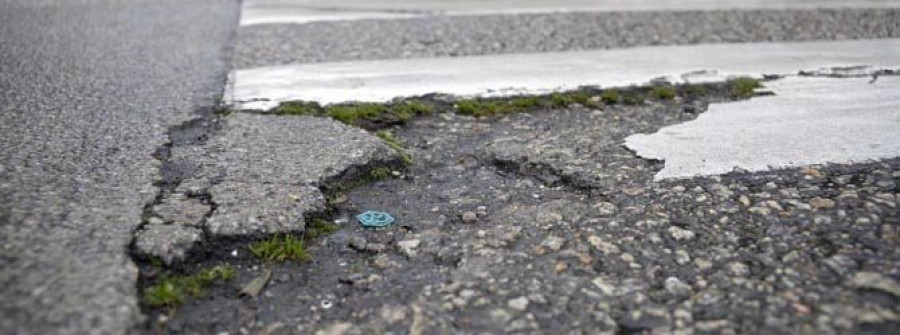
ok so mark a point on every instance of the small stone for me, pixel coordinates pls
(481, 211)
(376, 247)
(679, 233)
(408, 247)
(358, 243)
(682, 257)
(547, 217)
(738, 269)
(875, 281)
(677, 288)
(553, 243)
(812, 172)
(764, 211)
(519, 304)
(469, 217)
(840, 264)
(821, 203)
(605, 209)
(382, 262)
(703, 264)
(744, 200)
(627, 258)
(633, 191)
(603, 246)
(604, 287)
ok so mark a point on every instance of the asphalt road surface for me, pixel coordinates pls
(89, 90)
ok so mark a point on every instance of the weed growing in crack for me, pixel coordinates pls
(395, 144)
(663, 92)
(174, 291)
(744, 88)
(280, 248)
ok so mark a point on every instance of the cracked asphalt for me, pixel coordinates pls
(119, 168)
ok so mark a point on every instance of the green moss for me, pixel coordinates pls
(695, 91)
(379, 173)
(743, 88)
(523, 103)
(280, 248)
(298, 108)
(174, 291)
(164, 294)
(633, 98)
(395, 144)
(663, 92)
(318, 227)
(560, 100)
(349, 114)
(408, 109)
(610, 96)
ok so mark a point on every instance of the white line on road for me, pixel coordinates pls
(504, 75)
(810, 120)
(305, 11)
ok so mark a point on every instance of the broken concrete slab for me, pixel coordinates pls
(169, 242)
(278, 149)
(257, 175)
(253, 209)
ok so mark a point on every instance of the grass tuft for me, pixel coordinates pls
(174, 291)
(744, 88)
(663, 92)
(280, 248)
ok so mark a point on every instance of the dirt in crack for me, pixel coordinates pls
(544, 221)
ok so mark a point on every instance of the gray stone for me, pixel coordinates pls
(469, 217)
(409, 247)
(680, 234)
(519, 304)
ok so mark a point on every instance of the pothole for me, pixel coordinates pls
(543, 220)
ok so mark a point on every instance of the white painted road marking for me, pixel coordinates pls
(499, 75)
(305, 11)
(810, 120)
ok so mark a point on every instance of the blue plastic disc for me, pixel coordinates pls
(375, 219)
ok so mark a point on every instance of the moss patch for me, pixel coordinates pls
(744, 88)
(610, 97)
(175, 291)
(319, 227)
(663, 92)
